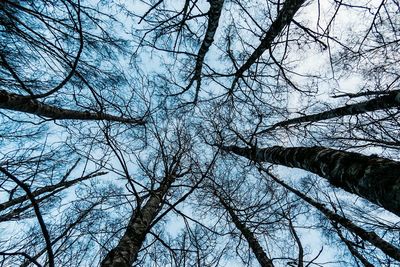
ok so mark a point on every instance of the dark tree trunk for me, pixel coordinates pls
(373, 178)
(255, 246)
(214, 15)
(391, 100)
(284, 17)
(28, 105)
(370, 237)
(126, 252)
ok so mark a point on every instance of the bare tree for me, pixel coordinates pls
(390, 100)
(371, 237)
(138, 133)
(257, 249)
(371, 177)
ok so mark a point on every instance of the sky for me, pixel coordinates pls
(146, 81)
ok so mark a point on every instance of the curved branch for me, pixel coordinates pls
(75, 64)
(46, 189)
(42, 224)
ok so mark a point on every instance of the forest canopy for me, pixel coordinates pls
(199, 133)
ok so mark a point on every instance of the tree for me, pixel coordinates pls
(140, 222)
(199, 133)
(249, 236)
(373, 178)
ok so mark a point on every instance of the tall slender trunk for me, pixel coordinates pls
(255, 246)
(373, 178)
(214, 15)
(284, 17)
(370, 237)
(126, 251)
(351, 248)
(32, 106)
(390, 100)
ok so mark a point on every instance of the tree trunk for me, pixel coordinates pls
(370, 237)
(390, 100)
(27, 105)
(255, 246)
(214, 14)
(351, 248)
(213, 20)
(373, 178)
(126, 252)
(284, 17)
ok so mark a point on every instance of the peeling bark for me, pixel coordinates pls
(391, 100)
(28, 105)
(126, 252)
(285, 16)
(255, 246)
(371, 237)
(373, 178)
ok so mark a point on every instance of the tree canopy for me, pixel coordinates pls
(199, 133)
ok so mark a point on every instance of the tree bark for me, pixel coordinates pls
(28, 105)
(126, 252)
(373, 178)
(214, 15)
(284, 17)
(351, 248)
(255, 246)
(370, 237)
(390, 100)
